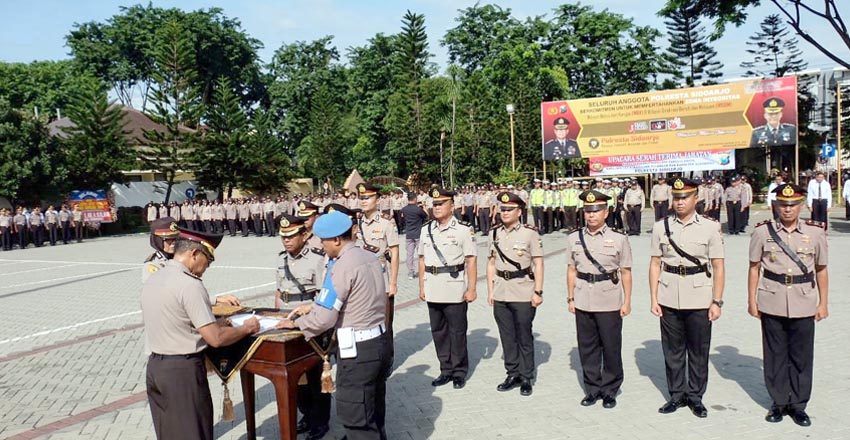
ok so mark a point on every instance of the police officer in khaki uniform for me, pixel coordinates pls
(164, 233)
(179, 325)
(789, 296)
(6, 229)
(380, 236)
(447, 252)
(20, 227)
(65, 223)
(515, 290)
(310, 212)
(660, 197)
(352, 300)
(686, 280)
(599, 293)
(298, 277)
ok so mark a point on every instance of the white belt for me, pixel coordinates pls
(372, 333)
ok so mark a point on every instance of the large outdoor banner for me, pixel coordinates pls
(757, 113)
(94, 204)
(657, 163)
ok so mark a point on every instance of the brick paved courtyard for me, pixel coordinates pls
(72, 360)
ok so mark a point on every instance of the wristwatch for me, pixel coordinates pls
(538, 292)
(717, 302)
(569, 300)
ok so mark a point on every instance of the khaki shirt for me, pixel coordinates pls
(20, 219)
(698, 236)
(634, 197)
(661, 193)
(456, 241)
(163, 211)
(206, 212)
(174, 212)
(268, 207)
(64, 215)
(776, 298)
(244, 211)
(379, 232)
(217, 212)
(483, 200)
(154, 263)
(186, 212)
(256, 208)
(5, 221)
(35, 219)
(521, 243)
(230, 211)
(78, 215)
(51, 217)
(359, 285)
(175, 304)
(307, 268)
(612, 250)
(733, 193)
(152, 213)
(315, 243)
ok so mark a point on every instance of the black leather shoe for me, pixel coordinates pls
(589, 400)
(774, 415)
(525, 388)
(510, 383)
(800, 417)
(698, 409)
(609, 402)
(671, 406)
(302, 426)
(459, 382)
(441, 380)
(317, 433)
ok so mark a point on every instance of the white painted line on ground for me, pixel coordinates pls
(66, 278)
(139, 264)
(41, 268)
(107, 318)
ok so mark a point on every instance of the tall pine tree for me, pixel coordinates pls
(689, 51)
(775, 53)
(218, 158)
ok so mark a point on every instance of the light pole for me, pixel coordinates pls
(510, 110)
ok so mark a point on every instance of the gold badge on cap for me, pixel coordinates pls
(331, 209)
(506, 198)
(435, 193)
(361, 188)
(302, 206)
(678, 184)
(772, 103)
(173, 227)
(284, 223)
(590, 198)
(787, 191)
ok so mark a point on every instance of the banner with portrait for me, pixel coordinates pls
(752, 113)
(657, 163)
(94, 205)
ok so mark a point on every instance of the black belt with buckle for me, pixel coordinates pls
(595, 278)
(683, 270)
(445, 269)
(790, 279)
(286, 296)
(509, 275)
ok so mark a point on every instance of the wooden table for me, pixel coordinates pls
(281, 360)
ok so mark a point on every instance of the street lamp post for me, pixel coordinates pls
(510, 110)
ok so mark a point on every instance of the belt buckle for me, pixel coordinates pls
(433, 270)
(286, 297)
(789, 280)
(682, 272)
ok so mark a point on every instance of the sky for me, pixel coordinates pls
(35, 30)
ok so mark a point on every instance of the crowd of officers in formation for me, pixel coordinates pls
(339, 266)
(37, 227)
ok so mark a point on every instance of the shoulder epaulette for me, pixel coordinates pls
(532, 227)
(763, 223)
(816, 224)
(150, 258)
(318, 251)
(710, 218)
(467, 224)
(573, 230)
(619, 231)
(281, 253)
(427, 223)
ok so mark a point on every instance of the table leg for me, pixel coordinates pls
(285, 386)
(248, 401)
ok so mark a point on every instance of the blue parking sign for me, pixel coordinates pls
(190, 193)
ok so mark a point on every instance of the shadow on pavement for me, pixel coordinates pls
(575, 364)
(650, 363)
(480, 347)
(411, 341)
(221, 427)
(542, 351)
(428, 407)
(745, 370)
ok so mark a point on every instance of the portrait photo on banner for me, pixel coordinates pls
(559, 130)
(773, 113)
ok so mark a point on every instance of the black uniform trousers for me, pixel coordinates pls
(524, 216)
(701, 207)
(448, 328)
(208, 226)
(610, 219)
(570, 215)
(312, 402)
(547, 220)
(788, 345)
(245, 227)
(361, 390)
(78, 231)
(745, 218)
(661, 209)
(66, 231)
(514, 320)
(846, 210)
(6, 238)
(484, 220)
(600, 345)
(618, 216)
(22, 236)
(52, 233)
(686, 340)
(258, 224)
(218, 226)
(400, 225)
(537, 212)
(633, 219)
(733, 217)
(179, 397)
(819, 210)
(37, 232)
(270, 224)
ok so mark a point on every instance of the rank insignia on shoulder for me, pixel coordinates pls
(710, 218)
(816, 224)
(619, 231)
(532, 227)
(467, 224)
(763, 223)
(573, 230)
(318, 251)
(281, 253)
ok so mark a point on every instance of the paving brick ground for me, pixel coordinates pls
(72, 363)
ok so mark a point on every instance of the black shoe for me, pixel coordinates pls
(441, 380)
(302, 426)
(671, 406)
(510, 383)
(609, 402)
(800, 417)
(774, 415)
(459, 382)
(317, 433)
(698, 409)
(589, 400)
(525, 388)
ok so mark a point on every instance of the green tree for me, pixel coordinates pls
(95, 146)
(774, 53)
(43, 85)
(218, 158)
(267, 165)
(798, 13)
(321, 153)
(689, 51)
(176, 103)
(481, 33)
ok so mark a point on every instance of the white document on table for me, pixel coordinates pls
(266, 323)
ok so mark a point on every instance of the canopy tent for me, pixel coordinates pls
(141, 193)
(352, 181)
